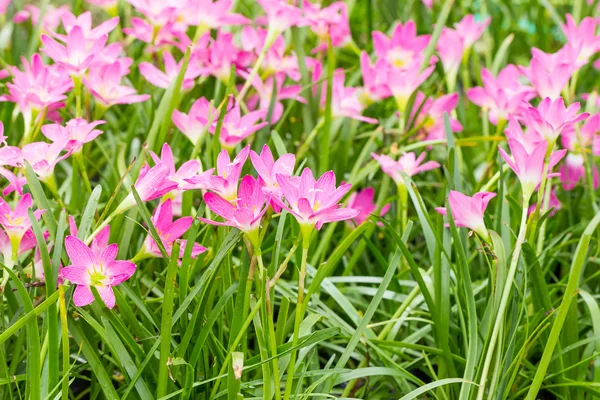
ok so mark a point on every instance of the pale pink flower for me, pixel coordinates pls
(451, 47)
(189, 171)
(529, 140)
(403, 82)
(362, 201)
(16, 222)
(404, 49)
(4, 5)
(582, 38)
(102, 271)
(164, 79)
(471, 30)
(280, 17)
(408, 164)
(374, 80)
(551, 118)
(28, 242)
(158, 12)
(268, 168)
(84, 21)
(50, 20)
(236, 128)
(112, 54)
(502, 96)
(573, 169)
(15, 183)
(228, 174)
(77, 130)
(344, 100)
(206, 14)
(194, 124)
(329, 22)
(244, 213)
(430, 118)
(3, 137)
(78, 53)
(99, 242)
(43, 156)
(264, 93)
(313, 202)
(529, 166)
(158, 35)
(588, 136)
(169, 231)
(468, 211)
(11, 156)
(218, 56)
(550, 73)
(104, 83)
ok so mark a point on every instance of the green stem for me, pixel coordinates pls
(504, 300)
(402, 207)
(79, 158)
(311, 136)
(254, 71)
(297, 322)
(65, 343)
(77, 88)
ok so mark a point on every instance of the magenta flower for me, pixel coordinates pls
(362, 202)
(164, 79)
(430, 119)
(551, 118)
(189, 171)
(206, 14)
(236, 128)
(313, 203)
(218, 56)
(43, 156)
(471, 30)
(193, 125)
(345, 100)
(582, 38)
(78, 53)
(15, 183)
(228, 173)
(16, 222)
(268, 168)
(77, 130)
(374, 80)
(528, 140)
(99, 242)
(84, 22)
(100, 270)
(502, 96)
(408, 164)
(104, 83)
(328, 22)
(550, 73)
(168, 231)
(468, 211)
(403, 82)
(243, 213)
(573, 169)
(529, 166)
(404, 49)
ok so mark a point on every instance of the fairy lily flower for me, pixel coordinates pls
(84, 22)
(313, 202)
(164, 79)
(11, 155)
(100, 270)
(327, 22)
(529, 166)
(408, 164)
(228, 173)
(587, 137)
(43, 156)
(582, 38)
(218, 56)
(28, 242)
(236, 128)
(573, 169)
(50, 20)
(550, 73)
(104, 83)
(78, 53)
(551, 118)
(471, 30)
(15, 183)
(280, 17)
(245, 213)
(404, 49)
(77, 130)
(430, 118)
(207, 15)
(268, 168)
(16, 222)
(374, 80)
(189, 170)
(168, 231)
(99, 242)
(264, 93)
(451, 47)
(276, 59)
(502, 96)
(362, 202)
(194, 124)
(468, 211)
(403, 82)
(554, 204)
(344, 100)
(529, 140)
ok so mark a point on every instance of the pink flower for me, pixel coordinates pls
(529, 166)
(362, 202)
(551, 118)
(408, 164)
(275, 60)
(104, 83)
(15, 183)
(164, 79)
(11, 156)
(468, 211)
(43, 156)
(228, 173)
(236, 128)
(158, 12)
(328, 22)
(154, 182)
(374, 80)
(50, 20)
(403, 82)
(84, 22)
(77, 130)
(528, 140)
(78, 54)
(268, 168)
(16, 222)
(344, 100)
(218, 56)
(169, 231)
(189, 170)
(28, 242)
(193, 125)
(502, 96)
(582, 38)
(554, 204)
(244, 213)
(431, 115)
(264, 93)
(100, 270)
(549, 73)
(404, 49)
(588, 136)
(99, 242)
(471, 30)
(451, 47)
(206, 14)
(573, 169)
(280, 17)
(313, 203)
